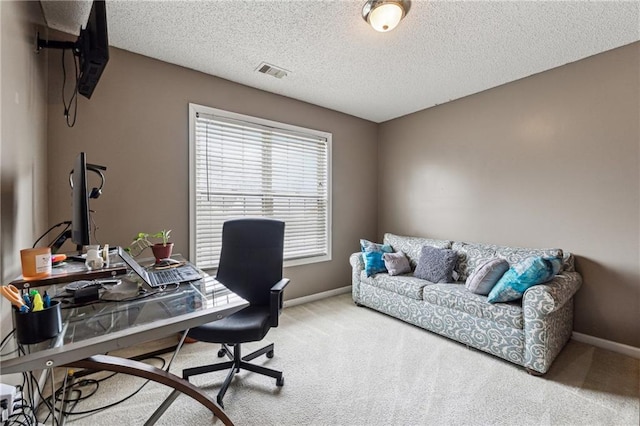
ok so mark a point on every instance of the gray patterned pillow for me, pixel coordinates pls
(436, 264)
(412, 246)
(482, 280)
(396, 263)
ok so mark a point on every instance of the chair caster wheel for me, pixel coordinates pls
(280, 381)
(270, 354)
(221, 353)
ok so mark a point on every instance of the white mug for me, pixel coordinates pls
(94, 260)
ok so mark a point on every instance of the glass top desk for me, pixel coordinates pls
(99, 328)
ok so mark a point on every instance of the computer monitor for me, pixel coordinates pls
(80, 223)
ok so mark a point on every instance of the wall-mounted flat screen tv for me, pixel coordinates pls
(93, 49)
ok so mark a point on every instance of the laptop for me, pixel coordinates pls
(178, 275)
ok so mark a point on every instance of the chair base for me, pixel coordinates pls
(237, 362)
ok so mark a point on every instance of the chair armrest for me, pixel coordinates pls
(280, 285)
(552, 295)
(276, 301)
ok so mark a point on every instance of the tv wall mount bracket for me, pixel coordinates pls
(55, 44)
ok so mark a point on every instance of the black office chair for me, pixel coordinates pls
(251, 266)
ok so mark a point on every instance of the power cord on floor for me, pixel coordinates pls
(77, 387)
(27, 415)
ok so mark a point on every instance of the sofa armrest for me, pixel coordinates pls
(357, 266)
(548, 320)
(356, 261)
(552, 295)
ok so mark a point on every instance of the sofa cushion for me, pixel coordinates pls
(403, 285)
(515, 255)
(470, 256)
(372, 255)
(412, 246)
(396, 263)
(456, 296)
(482, 280)
(527, 273)
(436, 264)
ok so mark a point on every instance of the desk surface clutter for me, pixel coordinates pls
(107, 325)
(86, 331)
(70, 271)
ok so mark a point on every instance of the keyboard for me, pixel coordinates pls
(173, 276)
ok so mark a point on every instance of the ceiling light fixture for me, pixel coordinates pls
(385, 15)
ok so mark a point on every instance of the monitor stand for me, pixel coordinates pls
(59, 241)
(77, 257)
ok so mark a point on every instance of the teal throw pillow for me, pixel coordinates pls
(372, 256)
(529, 272)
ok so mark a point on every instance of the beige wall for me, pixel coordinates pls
(548, 161)
(23, 185)
(136, 124)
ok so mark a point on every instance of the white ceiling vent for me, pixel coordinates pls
(272, 70)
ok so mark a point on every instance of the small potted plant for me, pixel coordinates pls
(161, 250)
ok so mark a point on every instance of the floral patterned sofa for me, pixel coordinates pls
(529, 332)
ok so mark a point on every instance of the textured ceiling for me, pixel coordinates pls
(441, 51)
(67, 16)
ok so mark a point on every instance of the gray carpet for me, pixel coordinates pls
(346, 365)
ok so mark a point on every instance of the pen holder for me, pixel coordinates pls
(38, 326)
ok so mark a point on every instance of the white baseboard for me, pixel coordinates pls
(317, 296)
(621, 348)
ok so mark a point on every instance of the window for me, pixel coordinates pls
(244, 166)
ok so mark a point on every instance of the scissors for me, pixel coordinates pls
(12, 294)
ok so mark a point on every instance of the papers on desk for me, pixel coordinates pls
(123, 291)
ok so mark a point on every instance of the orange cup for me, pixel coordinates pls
(36, 262)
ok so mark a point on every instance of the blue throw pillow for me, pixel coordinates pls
(372, 256)
(529, 272)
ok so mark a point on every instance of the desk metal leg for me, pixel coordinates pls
(63, 402)
(162, 408)
(178, 347)
(172, 397)
(139, 369)
(53, 398)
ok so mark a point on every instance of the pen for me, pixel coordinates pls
(27, 301)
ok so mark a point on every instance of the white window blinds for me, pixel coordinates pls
(242, 166)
